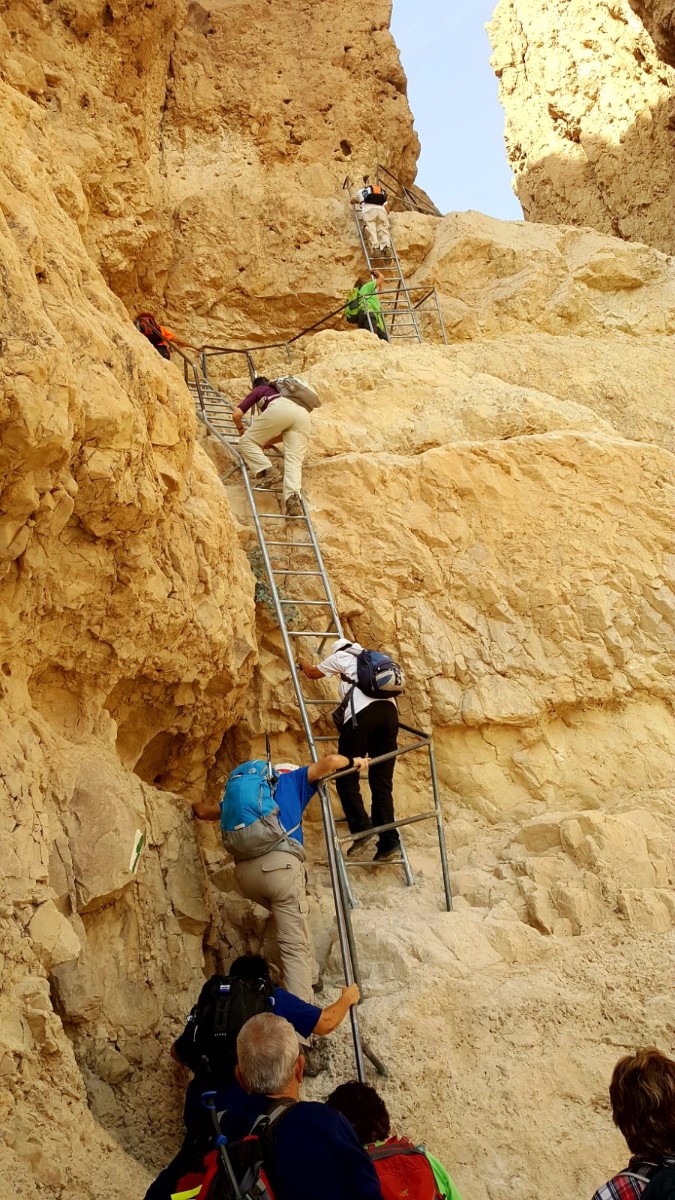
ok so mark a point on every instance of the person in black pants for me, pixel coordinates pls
(369, 727)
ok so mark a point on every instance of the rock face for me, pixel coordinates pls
(495, 511)
(589, 113)
(658, 17)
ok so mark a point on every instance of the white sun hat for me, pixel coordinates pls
(284, 768)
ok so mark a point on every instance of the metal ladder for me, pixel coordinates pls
(304, 567)
(400, 315)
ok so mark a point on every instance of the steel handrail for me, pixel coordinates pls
(410, 195)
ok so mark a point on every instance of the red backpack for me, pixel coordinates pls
(238, 1169)
(404, 1171)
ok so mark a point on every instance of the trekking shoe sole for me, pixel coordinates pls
(387, 855)
(363, 844)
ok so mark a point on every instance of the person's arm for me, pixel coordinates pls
(333, 762)
(237, 415)
(379, 279)
(206, 812)
(310, 670)
(334, 1014)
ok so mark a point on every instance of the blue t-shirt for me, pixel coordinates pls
(318, 1154)
(292, 795)
(302, 1016)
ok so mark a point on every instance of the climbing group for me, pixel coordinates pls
(249, 1042)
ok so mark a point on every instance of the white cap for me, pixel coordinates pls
(284, 768)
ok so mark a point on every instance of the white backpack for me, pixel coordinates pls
(298, 389)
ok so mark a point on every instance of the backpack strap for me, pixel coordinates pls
(266, 1128)
(376, 1153)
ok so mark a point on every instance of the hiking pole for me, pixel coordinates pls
(220, 1141)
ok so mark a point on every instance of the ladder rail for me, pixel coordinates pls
(401, 284)
(345, 931)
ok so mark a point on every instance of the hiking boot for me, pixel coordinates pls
(317, 1058)
(387, 854)
(267, 479)
(356, 848)
(386, 251)
(294, 505)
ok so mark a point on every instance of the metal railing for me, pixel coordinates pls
(410, 197)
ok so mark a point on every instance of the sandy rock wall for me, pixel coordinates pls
(127, 644)
(658, 17)
(589, 115)
(204, 187)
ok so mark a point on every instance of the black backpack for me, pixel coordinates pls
(374, 194)
(661, 1185)
(225, 1004)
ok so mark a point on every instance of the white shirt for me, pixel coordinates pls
(343, 662)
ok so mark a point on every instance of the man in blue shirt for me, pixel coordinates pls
(277, 879)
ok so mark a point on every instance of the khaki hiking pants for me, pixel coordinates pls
(278, 881)
(375, 225)
(294, 423)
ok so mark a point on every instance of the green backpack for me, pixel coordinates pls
(353, 307)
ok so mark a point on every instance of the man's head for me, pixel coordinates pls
(269, 1058)
(366, 178)
(365, 1110)
(642, 1094)
(340, 643)
(260, 380)
(250, 966)
(285, 768)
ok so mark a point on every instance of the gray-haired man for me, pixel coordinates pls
(316, 1151)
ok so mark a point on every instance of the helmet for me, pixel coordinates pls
(284, 768)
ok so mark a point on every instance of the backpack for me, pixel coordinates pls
(249, 815)
(223, 1008)
(661, 1185)
(296, 388)
(377, 675)
(251, 1161)
(353, 307)
(403, 1170)
(373, 193)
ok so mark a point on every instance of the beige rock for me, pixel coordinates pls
(53, 936)
(588, 115)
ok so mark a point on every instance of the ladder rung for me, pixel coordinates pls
(327, 739)
(304, 601)
(322, 633)
(285, 571)
(292, 545)
(320, 702)
(274, 516)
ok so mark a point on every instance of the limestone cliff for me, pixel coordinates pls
(589, 114)
(496, 511)
(658, 17)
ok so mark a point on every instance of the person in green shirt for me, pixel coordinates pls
(366, 1111)
(369, 304)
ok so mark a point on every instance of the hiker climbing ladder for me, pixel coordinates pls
(295, 567)
(400, 314)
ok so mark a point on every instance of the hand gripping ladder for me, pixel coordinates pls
(400, 315)
(302, 570)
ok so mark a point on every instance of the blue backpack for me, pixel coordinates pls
(249, 815)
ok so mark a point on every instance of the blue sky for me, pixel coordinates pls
(452, 91)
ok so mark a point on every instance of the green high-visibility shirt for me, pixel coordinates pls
(369, 297)
(443, 1181)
